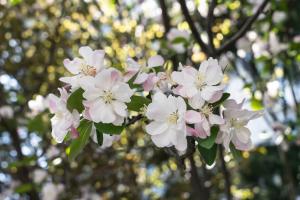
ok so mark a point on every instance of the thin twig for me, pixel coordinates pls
(226, 174)
(165, 16)
(210, 21)
(228, 44)
(193, 28)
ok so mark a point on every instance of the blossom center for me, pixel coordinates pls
(108, 97)
(88, 70)
(200, 81)
(207, 110)
(173, 117)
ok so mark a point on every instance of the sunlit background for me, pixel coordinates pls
(263, 67)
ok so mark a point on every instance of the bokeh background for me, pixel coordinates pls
(262, 66)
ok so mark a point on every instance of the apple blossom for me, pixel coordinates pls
(143, 76)
(105, 97)
(37, 105)
(200, 85)
(90, 65)
(63, 120)
(208, 118)
(234, 129)
(167, 126)
(6, 112)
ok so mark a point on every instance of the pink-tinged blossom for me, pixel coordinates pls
(234, 129)
(144, 76)
(200, 85)
(63, 120)
(106, 95)
(167, 126)
(91, 63)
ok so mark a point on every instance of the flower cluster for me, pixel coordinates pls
(176, 105)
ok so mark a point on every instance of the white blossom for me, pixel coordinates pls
(6, 112)
(63, 120)
(37, 105)
(51, 191)
(200, 85)
(167, 126)
(145, 74)
(106, 95)
(39, 175)
(91, 64)
(234, 130)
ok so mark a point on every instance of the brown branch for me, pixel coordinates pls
(193, 28)
(210, 21)
(165, 16)
(230, 42)
(226, 174)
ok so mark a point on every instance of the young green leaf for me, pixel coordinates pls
(209, 141)
(179, 40)
(79, 143)
(137, 102)
(99, 137)
(75, 100)
(209, 155)
(109, 128)
(224, 97)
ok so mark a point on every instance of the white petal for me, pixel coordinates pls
(213, 74)
(215, 119)
(193, 117)
(73, 66)
(141, 78)
(107, 114)
(98, 59)
(181, 141)
(196, 101)
(162, 140)
(155, 61)
(122, 92)
(87, 53)
(208, 92)
(155, 128)
(120, 108)
(243, 134)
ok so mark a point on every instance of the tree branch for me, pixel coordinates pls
(226, 174)
(165, 16)
(210, 21)
(193, 28)
(228, 44)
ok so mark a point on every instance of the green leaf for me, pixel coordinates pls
(256, 104)
(24, 188)
(15, 2)
(179, 40)
(137, 102)
(36, 124)
(79, 143)
(131, 82)
(237, 154)
(209, 155)
(109, 128)
(75, 100)
(99, 137)
(209, 141)
(223, 98)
